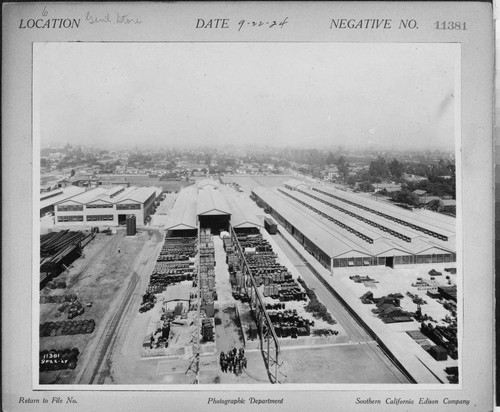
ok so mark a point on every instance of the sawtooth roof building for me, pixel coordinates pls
(343, 229)
(110, 206)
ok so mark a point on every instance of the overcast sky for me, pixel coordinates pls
(308, 94)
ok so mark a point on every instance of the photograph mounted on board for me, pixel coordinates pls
(247, 213)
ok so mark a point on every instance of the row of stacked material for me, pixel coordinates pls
(285, 292)
(56, 284)
(178, 249)
(255, 242)
(174, 264)
(67, 327)
(288, 323)
(67, 297)
(278, 282)
(232, 258)
(58, 250)
(58, 359)
(445, 339)
(207, 272)
(173, 267)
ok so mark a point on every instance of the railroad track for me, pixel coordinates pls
(106, 343)
(111, 328)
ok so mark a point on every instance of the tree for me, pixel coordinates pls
(378, 168)
(407, 198)
(330, 160)
(351, 181)
(343, 167)
(396, 169)
(72, 172)
(366, 187)
(436, 205)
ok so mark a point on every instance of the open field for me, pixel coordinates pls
(145, 181)
(249, 182)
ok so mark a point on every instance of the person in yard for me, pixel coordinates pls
(222, 361)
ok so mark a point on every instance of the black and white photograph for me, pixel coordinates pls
(240, 205)
(279, 213)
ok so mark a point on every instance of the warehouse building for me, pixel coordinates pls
(49, 199)
(210, 206)
(109, 206)
(182, 220)
(212, 210)
(342, 229)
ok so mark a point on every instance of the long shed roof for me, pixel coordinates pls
(344, 243)
(445, 225)
(64, 194)
(211, 202)
(241, 215)
(311, 228)
(182, 216)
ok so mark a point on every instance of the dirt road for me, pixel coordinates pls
(120, 314)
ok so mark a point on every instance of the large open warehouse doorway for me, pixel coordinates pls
(216, 223)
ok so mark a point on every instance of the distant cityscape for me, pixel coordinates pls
(415, 179)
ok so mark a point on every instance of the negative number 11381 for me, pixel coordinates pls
(450, 25)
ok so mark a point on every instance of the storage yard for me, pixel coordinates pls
(299, 285)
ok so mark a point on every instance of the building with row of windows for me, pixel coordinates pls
(343, 229)
(109, 206)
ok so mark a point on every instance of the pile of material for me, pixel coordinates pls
(174, 264)
(388, 307)
(289, 323)
(67, 297)
(444, 337)
(58, 250)
(67, 327)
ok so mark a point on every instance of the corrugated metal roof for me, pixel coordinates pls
(207, 182)
(241, 215)
(293, 183)
(211, 202)
(445, 225)
(344, 243)
(135, 194)
(65, 194)
(182, 216)
(315, 231)
(383, 245)
(87, 196)
(389, 224)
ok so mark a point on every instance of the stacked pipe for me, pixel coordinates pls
(67, 327)
(278, 282)
(67, 297)
(207, 273)
(287, 323)
(256, 242)
(175, 263)
(58, 249)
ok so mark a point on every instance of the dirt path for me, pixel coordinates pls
(98, 366)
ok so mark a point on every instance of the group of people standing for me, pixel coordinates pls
(233, 361)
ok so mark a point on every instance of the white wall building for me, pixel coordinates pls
(109, 206)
